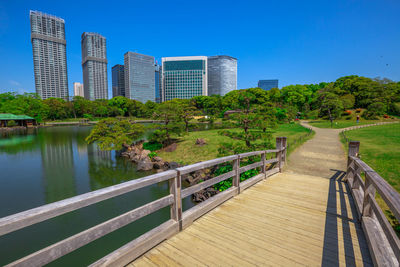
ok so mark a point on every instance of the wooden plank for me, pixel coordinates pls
(195, 188)
(205, 164)
(378, 244)
(389, 195)
(74, 242)
(199, 210)
(20, 220)
(140, 245)
(360, 181)
(251, 181)
(253, 153)
(386, 227)
(269, 161)
(250, 166)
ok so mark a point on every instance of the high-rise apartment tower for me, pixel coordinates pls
(118, 80)
(94, 66)
(222, 75)
(49, 55)
(139, 77)
(184, 77)
(78, 89)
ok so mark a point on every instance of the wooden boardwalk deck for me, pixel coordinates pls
(288, 219)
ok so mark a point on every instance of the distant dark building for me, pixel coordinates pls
(118, 80)
(158, 84)
(268, 84)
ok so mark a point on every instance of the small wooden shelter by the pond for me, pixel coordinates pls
(20, 120)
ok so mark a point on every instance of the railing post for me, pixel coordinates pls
(354, 147)
(368, 193)
(236, 178)
(279, 153)
(284, 144)
(176, 207)
(263, 167)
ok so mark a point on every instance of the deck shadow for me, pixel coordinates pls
(337, 197)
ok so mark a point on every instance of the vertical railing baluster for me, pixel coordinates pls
(279, 153)
(354, 147)
(236, 178)
(368, 193)
(263, 167)
(284, 145)
(176, 207)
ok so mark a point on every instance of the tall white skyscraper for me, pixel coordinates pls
(49, 55)
(78, 89)
(94, 66)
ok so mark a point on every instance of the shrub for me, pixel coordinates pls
(358, 110)
(386, 116)
(152, 155)
(396, 108)
(152, 146)
(374, 110)
(88, 116)
(348, 112)
(347, 118)
(313, 115)
(11, 123)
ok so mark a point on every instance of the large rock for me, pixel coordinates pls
(145, 165)
(144, 154)
(158, 165)
(201, 142)
(173, 165)
(157, 159)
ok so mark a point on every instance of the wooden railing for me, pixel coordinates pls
(178, 219)
(383, 243)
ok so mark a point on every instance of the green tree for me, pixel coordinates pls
(249, 120)
(56, 108)
(114, 134)
(170, 113)
(331, 105)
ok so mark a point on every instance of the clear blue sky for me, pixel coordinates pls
(296, 42)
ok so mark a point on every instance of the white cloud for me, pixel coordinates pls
(15, 83)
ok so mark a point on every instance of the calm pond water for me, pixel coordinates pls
(44, 165)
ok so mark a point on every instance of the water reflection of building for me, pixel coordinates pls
(58, 169)
(101, 169)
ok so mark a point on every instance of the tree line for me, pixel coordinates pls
(323, 100)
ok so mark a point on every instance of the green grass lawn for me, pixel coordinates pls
(380, 149)
(187, 152)
(338, 124)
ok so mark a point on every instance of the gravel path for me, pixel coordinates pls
(321, 156)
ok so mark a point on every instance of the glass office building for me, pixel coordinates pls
(184, 77)
(139, 77)
(49, 55)
(118, 80)
(222, 75)
(268, 84)
(94, 66)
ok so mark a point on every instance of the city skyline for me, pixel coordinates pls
(329, 41)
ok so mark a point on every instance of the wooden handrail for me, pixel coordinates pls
(178, 219)
(383, 242)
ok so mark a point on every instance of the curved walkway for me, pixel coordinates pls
(304, 216)
(322, 156)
